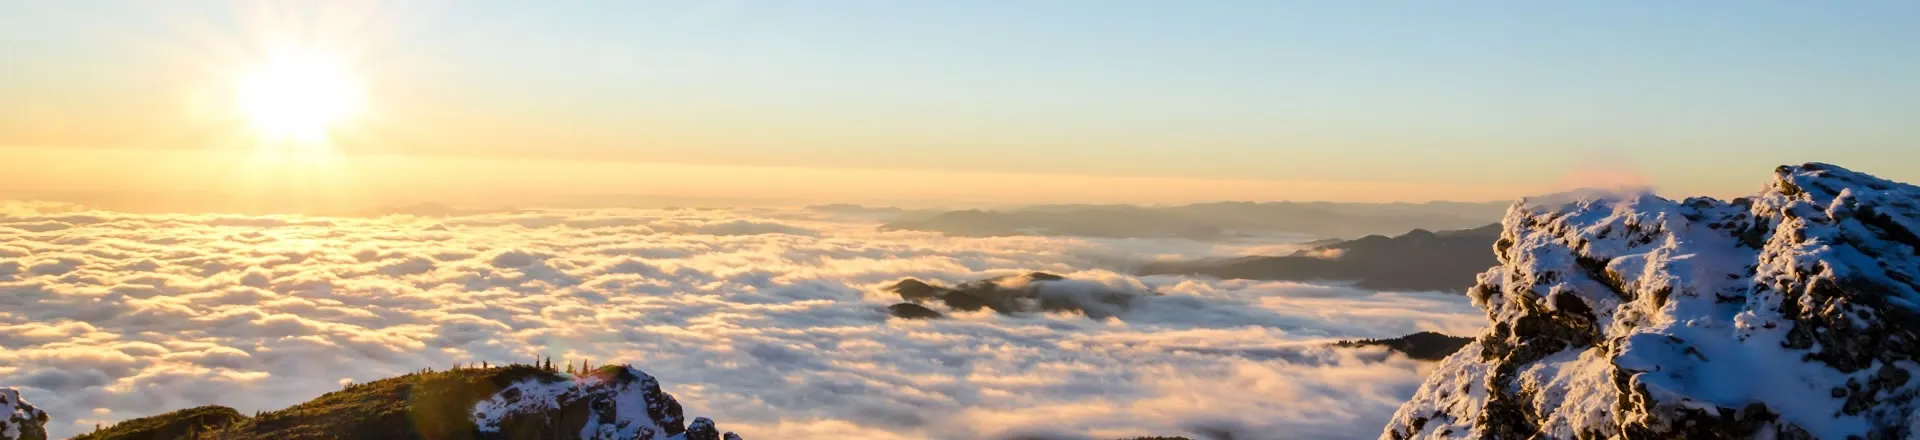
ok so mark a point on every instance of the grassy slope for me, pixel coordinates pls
(424, 405)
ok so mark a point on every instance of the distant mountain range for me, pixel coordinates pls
(1206, 221)
(1419, 260)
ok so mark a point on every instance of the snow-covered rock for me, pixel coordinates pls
(618, 402)
(1790, 314)
(19, 420)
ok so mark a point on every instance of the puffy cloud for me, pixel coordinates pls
(772, 321)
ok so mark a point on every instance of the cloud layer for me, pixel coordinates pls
(772, 321)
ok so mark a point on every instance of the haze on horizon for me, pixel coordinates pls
(939, 103)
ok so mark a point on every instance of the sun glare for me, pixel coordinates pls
(298, 99)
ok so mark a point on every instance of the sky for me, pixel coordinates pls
(966, 101)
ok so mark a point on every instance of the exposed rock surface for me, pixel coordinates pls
(1791, 314)
(1419, 260)
(19, 420)
(1028, 293)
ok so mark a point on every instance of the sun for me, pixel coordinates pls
(298, 99)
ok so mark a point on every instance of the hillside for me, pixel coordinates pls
(511, 402)
(1794, 314)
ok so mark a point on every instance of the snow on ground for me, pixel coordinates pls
(16, 413)
(772, 322)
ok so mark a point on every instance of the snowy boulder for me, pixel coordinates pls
(19, 420)
(1794, 313)
(615, 402)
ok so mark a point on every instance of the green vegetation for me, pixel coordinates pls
(186, 423)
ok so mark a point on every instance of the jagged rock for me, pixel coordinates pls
(614, 402)
(21, 420)
(912, 311)
(1426, 346)
(702, 429)
(1792, 314)
(1026, 293)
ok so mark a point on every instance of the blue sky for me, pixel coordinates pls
(1695, 96)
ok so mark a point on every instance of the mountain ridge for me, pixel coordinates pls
(1418, 260)
(1635, 316)
(1205, 221)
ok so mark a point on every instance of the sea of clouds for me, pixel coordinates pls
(772, 322)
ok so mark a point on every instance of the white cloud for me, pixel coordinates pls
(770, 322)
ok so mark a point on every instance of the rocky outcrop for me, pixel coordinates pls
(1029, 293)
(1419, 260)
(615, 402)
(1791, 314)
(19, 420)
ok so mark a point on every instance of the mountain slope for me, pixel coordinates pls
(1790, 314)
(512, 402)
(1418, 260)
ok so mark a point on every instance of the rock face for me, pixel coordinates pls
(615, 402)
(1028, 293)
(1791, 314)
(19, 420)
(1419, 260)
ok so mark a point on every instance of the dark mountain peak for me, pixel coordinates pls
(1023, 293)
(1426, 346)
(915, 290)
(909, 310)
(1794, 313)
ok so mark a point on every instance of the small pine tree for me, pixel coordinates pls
(586, 365)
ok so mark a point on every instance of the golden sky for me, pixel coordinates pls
(940, 102)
